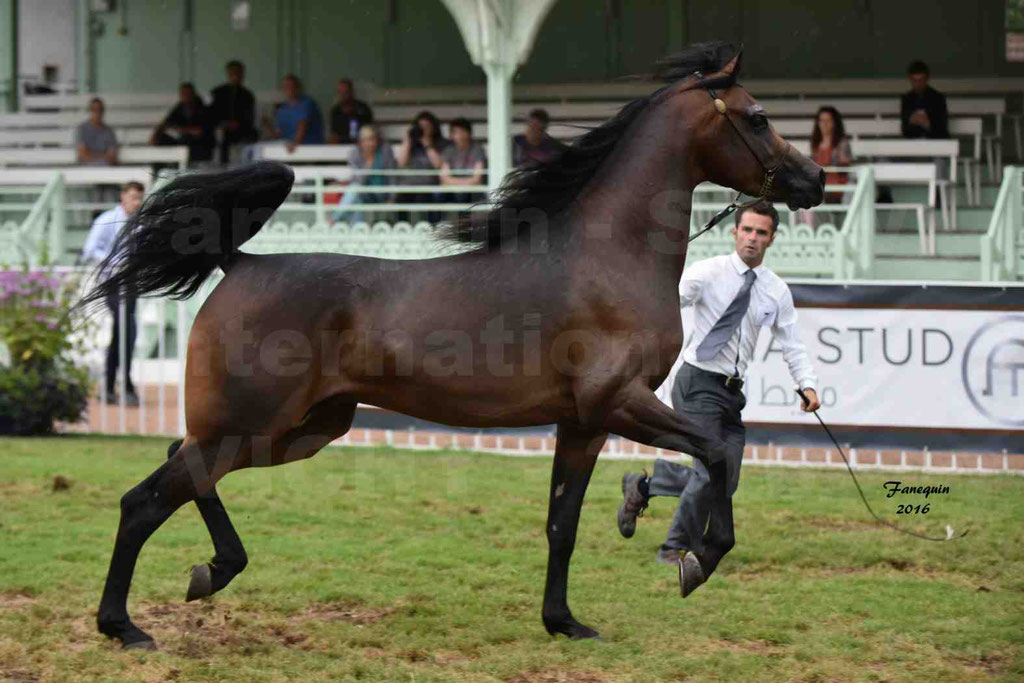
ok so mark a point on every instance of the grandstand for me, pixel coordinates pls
(954, 211)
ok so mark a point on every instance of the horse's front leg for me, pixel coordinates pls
(576, 452)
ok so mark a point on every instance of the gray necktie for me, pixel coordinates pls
(730, 320)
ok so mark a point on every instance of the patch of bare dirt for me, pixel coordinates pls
(553, 675)
(757, 647)
(838, 524)
(353, 613)
(987, 662)
(16, 599)
(18, 676)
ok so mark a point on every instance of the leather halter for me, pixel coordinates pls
(769, 169)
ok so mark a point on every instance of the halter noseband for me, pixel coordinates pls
(769, 171)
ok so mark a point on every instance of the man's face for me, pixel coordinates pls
(918, 82)
(344, 91)
(535, 128)
(96, 111)
(753, 236)
(131, 200)
(235, 74)
(461, 136)
(186, 95)
(290, 88)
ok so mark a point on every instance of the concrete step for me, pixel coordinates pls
(938, 268)
(907, 243)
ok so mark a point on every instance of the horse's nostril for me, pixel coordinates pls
(821, 177)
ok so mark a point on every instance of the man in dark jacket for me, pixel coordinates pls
(348, 115)
(923, 110)
(233, 110)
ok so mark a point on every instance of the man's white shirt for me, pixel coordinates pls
(103, 233)
(711, 285)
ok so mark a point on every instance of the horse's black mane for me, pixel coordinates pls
(551, 186)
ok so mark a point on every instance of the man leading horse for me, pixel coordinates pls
(733, 297)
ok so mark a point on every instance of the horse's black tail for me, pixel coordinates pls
(189, 227)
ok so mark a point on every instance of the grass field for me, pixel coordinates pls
(392, 566)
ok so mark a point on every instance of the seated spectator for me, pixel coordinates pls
(188, 123)
(233, 111)
(371, 153)
(95, 141)
(831, 147)
(421, 149)
(297, 120)
(923, 110)
(348, 115)
(464, 162)
(535, 145)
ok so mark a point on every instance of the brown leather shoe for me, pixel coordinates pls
(634, 502)
(690, 574)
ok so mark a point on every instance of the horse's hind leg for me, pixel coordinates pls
(194, 471)
(576, 452)
(229, 557)
(143, 510)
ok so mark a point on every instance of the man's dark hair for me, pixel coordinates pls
(541, 115)
(98, 99)
(133, 185)
(349, 82)
(189, 85)
(917, 67)
(234, 64)
(294, 79)
(462, 123)
(762, 208)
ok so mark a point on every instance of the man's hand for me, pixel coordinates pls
(812, 403)
(920, 118)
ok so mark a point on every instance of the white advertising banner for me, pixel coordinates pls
(952, 369)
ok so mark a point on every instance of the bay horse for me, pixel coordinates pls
(561, 309)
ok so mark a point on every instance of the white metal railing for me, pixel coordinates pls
(855, 243)
(1000, 248)
(39, 237)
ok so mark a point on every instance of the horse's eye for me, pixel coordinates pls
(759, 122)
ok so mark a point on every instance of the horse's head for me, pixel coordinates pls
(733, 144)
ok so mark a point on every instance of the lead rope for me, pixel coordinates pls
(949, 530)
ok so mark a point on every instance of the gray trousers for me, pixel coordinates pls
(703, 521)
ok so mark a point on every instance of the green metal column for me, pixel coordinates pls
(13, 95)
(83, 38)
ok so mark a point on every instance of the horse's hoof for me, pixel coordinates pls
(691, 575)
(572, 629)
(147, 645)
(201, 584)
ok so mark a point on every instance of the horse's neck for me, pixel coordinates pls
(638, 207)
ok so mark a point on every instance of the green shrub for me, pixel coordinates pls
(41, 384)
(32, 400)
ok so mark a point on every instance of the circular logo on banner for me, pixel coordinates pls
(993, 370)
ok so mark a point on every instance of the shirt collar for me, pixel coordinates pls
(742, 267)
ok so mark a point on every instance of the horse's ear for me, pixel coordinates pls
(733, 67)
